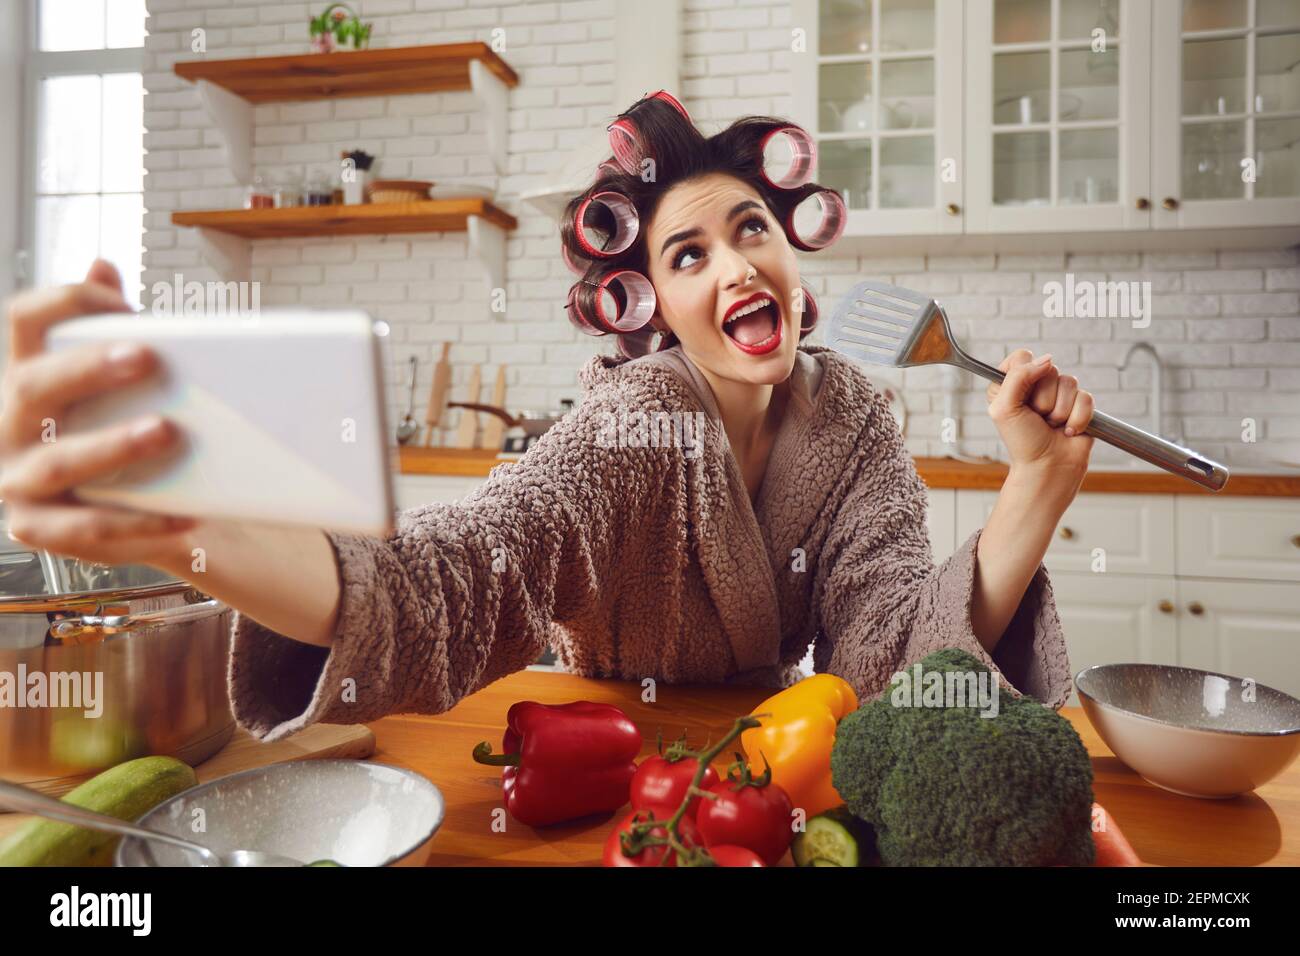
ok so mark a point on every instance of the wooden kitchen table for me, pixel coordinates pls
(1259, 828)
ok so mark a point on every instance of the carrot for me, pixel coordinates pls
(1112, 848)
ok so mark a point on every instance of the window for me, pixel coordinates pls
(86, 140)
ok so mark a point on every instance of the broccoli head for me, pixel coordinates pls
(944, 786)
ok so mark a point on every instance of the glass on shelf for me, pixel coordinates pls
(907, 172)
(1021, 87)
(1089, 169)
(1213, 15)
(1079, 18)
(1212, 155)
(845, 166)
(1088, 90)
(1277, 73)
(1214, 77)
(1022, 21)
(258, 195)
(1277, 13)
(844, 26)
(906, 94)
(288, 192)
(906, 25)
(1021, 174)
(845, 94)
(1277, 158)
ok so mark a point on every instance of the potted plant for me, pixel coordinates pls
(332, 24)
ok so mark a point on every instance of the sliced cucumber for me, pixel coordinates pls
(827, 841)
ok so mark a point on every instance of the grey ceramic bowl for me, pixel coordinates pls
(353, 812)
(1191, 731)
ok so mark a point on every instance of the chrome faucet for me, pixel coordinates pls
(1157, 382)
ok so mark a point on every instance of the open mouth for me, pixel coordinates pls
(756, 327)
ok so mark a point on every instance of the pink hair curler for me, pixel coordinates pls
(788, 156)
(633, 345)
(808, 318)
(635, 297)
(576, 316)
(829, 225)
(578, 265)
(624, 139)
(626, 223)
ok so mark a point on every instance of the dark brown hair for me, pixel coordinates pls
(670, 150)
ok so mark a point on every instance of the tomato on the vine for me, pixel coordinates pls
(734, 856)
(663, 783)
(650, 856)
(755, 814)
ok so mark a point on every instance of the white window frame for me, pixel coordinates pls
(38, 65)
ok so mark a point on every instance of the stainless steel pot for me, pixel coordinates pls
(132, 661)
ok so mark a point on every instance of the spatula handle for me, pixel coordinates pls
(1141, 444)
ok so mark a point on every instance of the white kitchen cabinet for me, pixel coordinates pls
(1120, 533)
(1058, 97)
(1241, 628)
(1121, 118)
(411, 491)
(1225, 134)
(1114, 617)
(941, 522)
(1255, 538)
(880, 87)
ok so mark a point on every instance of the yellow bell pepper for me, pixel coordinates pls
(796, 739)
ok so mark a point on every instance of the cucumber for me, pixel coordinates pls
(127, 791)
(833, 838)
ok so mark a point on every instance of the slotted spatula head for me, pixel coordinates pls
(888, 325)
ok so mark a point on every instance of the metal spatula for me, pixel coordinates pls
(888, 325)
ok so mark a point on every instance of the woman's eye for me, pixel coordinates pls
(695, 250)
(677, 259)
(756, 221)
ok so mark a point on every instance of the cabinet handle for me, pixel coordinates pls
(1196, 608)
(1166, 606)
(953, 209)
(1067, 533)
(1170, 202)
(1143, 203)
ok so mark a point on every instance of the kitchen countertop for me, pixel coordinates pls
(1257, 829)
(936, 473)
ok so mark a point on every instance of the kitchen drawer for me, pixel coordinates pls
(1239, 537)
(941, 521)
(1136, 532)
(1109, 619)
(1241, 628)
(415, 490)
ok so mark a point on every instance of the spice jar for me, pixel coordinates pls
(288, 192)
(317, 192)
(258, 195)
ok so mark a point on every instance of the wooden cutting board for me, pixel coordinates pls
(494, 428)
(244, 752)
(467, 433)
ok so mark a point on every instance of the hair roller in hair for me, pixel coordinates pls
(641, 342)
(632, 297)
(578, 265)
(808, 317)
(576, 313)
(605, 224)
(817, 221)
(788, 155)
(624, 138)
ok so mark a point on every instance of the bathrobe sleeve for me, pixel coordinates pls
(457, 595)
(883, 604)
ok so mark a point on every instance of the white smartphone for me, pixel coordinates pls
(282, 417)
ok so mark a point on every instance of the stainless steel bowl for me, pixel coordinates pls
(133, 662)
(356, 813)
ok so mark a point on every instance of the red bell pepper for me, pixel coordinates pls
(564, 761)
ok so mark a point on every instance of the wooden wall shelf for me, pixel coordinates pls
(438, 68)
(428, 215)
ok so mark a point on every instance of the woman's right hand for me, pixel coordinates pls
(39, 466)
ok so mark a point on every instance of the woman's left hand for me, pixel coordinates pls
(1041, 415)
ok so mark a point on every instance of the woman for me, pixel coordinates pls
(794, 516)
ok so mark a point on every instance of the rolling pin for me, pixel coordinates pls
(494, 428)
(438, 394)
(468, 430)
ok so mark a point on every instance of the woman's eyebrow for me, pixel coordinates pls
(736, 210)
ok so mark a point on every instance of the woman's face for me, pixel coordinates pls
(714, 245)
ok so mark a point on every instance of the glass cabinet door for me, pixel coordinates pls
(1057, 104)
(881, 93)
(1227, 143)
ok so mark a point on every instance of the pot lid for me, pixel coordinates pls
(28, 573)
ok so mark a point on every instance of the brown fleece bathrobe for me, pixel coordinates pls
(636, 559)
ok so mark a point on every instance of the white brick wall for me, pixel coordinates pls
(1227, 323)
